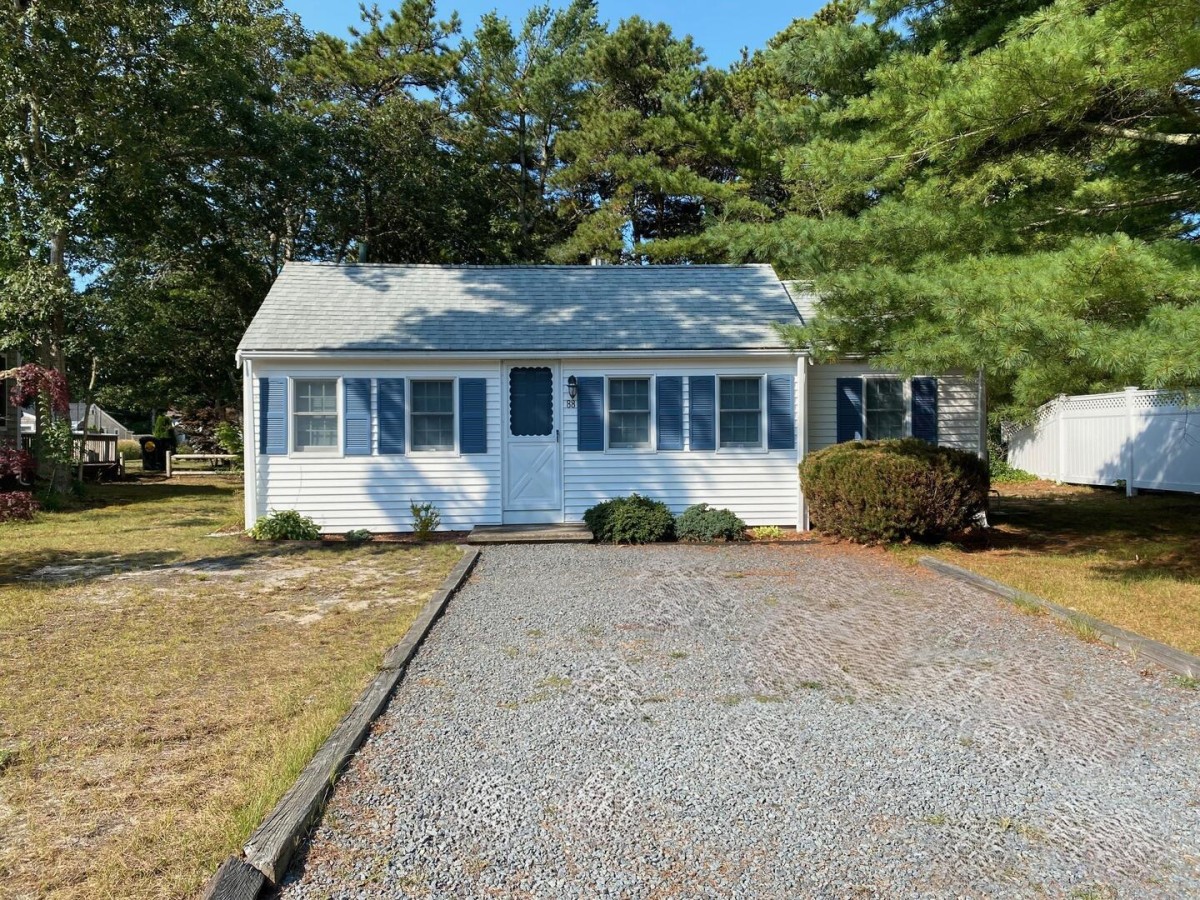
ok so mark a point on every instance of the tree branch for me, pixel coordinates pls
(1125, 204)
(1136, 134)
(1105, 208)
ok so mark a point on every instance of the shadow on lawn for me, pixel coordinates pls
(57, 566)
(119, 493)
(52, 567)
(1143, 537)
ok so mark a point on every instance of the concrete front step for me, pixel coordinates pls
(570, 533)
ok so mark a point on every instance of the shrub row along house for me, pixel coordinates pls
(526, 394)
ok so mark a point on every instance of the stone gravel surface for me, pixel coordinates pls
(760, 721)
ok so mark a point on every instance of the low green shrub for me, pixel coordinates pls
(630, 520)
(700, 522)
(767, 533)
(357, 536)
(131, 449)
(1000, 472)
(426, 519)
(229, 438)
(880, 491)
(285, 525)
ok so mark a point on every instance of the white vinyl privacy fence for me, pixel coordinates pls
(1146, 439)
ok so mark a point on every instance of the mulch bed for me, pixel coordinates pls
(404, 537)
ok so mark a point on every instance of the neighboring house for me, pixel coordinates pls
(526, 394)
(10, 415)
(98, 422)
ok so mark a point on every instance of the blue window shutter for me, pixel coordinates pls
(272, 416)
(391, 416)
(781, 413)
(472, 415)
(925, 409)
(702, 411)
(669, 411)
(357, 414)
(590, 424)
(849, 409)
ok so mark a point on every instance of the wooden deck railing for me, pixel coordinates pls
(89, 448)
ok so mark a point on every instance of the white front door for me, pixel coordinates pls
(532, 462)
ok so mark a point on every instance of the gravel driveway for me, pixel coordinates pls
(760, 721)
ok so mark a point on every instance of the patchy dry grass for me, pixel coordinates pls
(1134, 562)
(160, 688)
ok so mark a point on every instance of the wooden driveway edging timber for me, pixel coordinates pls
(1183, 664)
(269, 850)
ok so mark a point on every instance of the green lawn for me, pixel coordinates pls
(1134, 562)
(160, 688)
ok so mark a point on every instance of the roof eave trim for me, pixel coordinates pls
(512, 354)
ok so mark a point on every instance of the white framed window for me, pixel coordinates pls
(431, 415)
(630, 412)
(740, 411)
(885, 408)
(316, 415)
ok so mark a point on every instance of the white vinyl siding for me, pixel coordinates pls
(959, 414)
(373, 492)
(959, 423)
(759, 485)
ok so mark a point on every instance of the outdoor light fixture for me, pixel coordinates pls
(572, 386)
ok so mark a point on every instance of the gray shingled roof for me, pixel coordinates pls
(804, 297)
(324, 307)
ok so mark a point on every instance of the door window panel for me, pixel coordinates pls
(530, 401)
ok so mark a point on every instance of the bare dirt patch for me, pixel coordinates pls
(159, 690)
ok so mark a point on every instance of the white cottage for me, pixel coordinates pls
(526, 394)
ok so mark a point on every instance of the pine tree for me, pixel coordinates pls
(1012, 186)
(399, 186)
(648, 165)
(520, 91)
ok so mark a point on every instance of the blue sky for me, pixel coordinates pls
(722, 29)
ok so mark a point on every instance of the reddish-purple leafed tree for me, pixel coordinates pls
(32, 381)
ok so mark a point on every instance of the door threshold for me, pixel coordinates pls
(569, 533)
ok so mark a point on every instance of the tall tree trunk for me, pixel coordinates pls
(87, 416)
(364, 249)
(57, 357)
(523, 196)
(54, 356)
